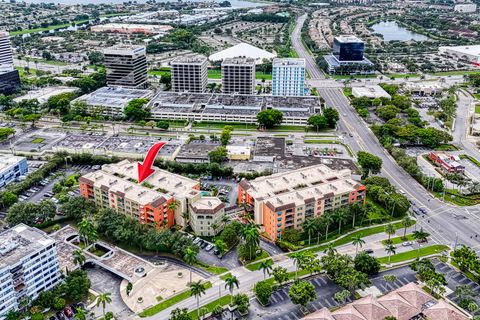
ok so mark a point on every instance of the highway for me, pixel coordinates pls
(296, 37)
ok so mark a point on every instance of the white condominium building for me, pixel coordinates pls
(6, 55)
(11, 167)
(288, 77)
(28, 266)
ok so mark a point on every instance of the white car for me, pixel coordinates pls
(407, 243)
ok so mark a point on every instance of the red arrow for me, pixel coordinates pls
(145, 168)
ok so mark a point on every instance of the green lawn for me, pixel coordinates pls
(223, 301)
(402, 75)
(217, 74)
(348, 239)
(454, 73)
(398, 240)
(453, 196)
(477, 109)
(164, 304)
(212, 269)
(314, 141)
(471, 159)
(220, 125)
(288, 128)
(410, 255)
(38, 140)
(225, 276)
(255, 265)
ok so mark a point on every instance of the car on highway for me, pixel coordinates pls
(368, 251)
(423, 210)
(407, 243)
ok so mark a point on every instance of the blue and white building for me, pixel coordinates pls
(11, 167)
(288, 77)
(28, 266)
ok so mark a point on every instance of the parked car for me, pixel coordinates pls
(209, 247)
(368, 251)
(407, 243)
(68, 311)
(423, 210)
(203, 244)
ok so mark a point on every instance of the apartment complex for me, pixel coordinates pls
(126, 66)
(9, 77)
(28, 266)
(238, 75)
(160, 201)
(190, 74)
(288, 77)
(11, 167)
(286, 200)
(206, 216)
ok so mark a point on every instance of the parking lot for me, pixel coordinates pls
(227, 188)
(282, 308)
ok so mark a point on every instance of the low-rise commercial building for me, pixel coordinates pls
(286, 200)
(465, 7)
(160, 201)
(131, 28)
(231, 107)
(110, 102)
(43, 94)
(469, 53)
(449, 163)
(28, 266)
(11, 167)
(239, 153)
(371, 92)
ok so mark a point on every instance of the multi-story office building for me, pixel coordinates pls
(286, 200)
(288, 77)
(28, 266)
(238, 75)
(9, 77)
(347, 56)
(126, 66)
(11, 167)
(161, 200)
(190, 74)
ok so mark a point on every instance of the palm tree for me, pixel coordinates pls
(190, 257)
(298, 260)
(173, 205)
(391, 249)
(78, 257)
(103, 299)
(357, 241)
(197, 289)
(420, 236)
(87, 231)
(330, 249)
(251, 236)
(341, 216)
(406, 222)
(389, 229)
(81, 314)
(309, 226)
(266, 267)
(230, 283)
(327, 219)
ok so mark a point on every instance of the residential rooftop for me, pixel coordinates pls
(318, 179)
(169, 183)
(19, 242)
(207, 205)
(288, 62)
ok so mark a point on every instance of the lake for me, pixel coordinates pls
(391, 30)
(235, 3)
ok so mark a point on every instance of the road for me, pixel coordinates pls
(312, 67)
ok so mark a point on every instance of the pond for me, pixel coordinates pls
(391, 30)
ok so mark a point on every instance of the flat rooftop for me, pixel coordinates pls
(219, 103)
(7, 161)
(43, 94)
(370, 92)
(114, 97)
(193, 59)
(470, 50)
(125, 49)
(19, 242)
(348, 39)
(207, 205)
(238, 61)
(173, 184)
(288, 62)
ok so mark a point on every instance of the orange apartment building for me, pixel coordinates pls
(115, 186)
(286, 200)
